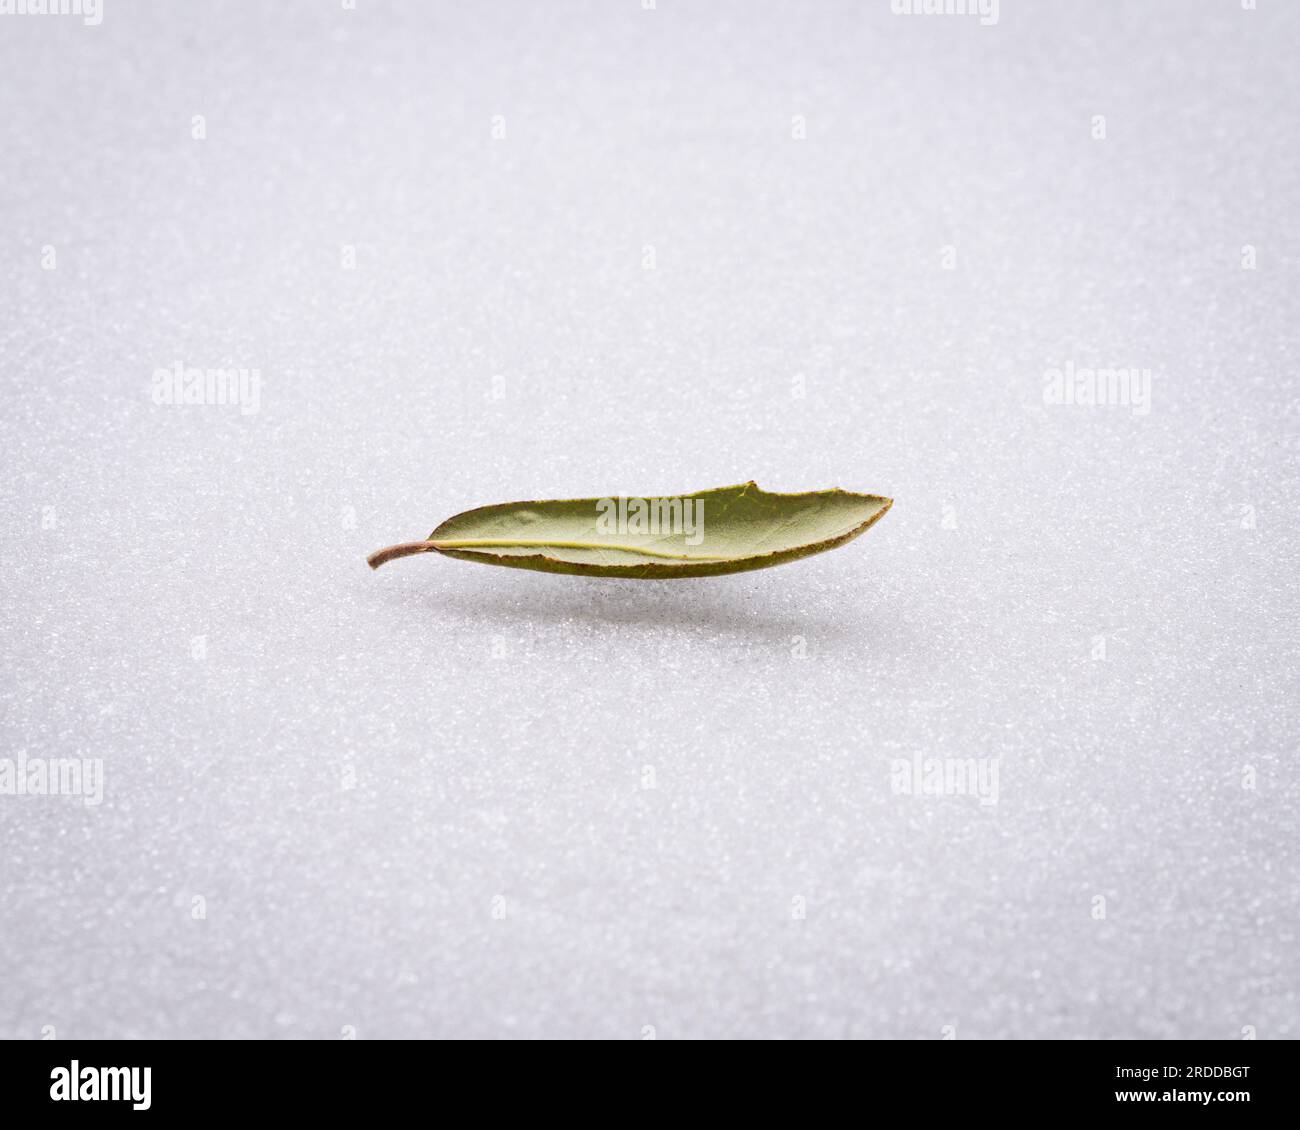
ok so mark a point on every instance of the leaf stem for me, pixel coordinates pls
(404, 549)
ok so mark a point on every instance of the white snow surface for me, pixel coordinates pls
(604, 249)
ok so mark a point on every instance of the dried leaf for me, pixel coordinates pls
(724, 530)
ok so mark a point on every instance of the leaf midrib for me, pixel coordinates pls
(541, 543)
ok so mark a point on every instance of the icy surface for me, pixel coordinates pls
(603, 249)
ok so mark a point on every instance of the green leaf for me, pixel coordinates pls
(724, 530)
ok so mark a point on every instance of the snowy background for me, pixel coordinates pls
(480, 252)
